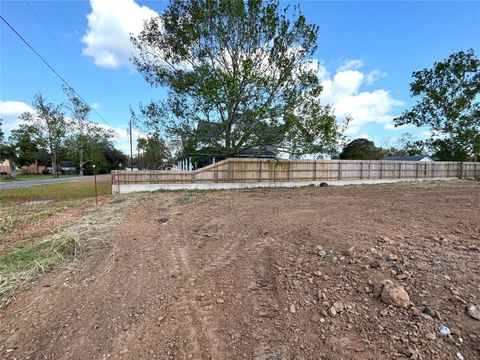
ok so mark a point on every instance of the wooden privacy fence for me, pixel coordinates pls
(236, 170)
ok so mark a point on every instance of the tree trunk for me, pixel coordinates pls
(54, 164)
(81, 161)
(13, 168)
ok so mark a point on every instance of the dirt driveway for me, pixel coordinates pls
(256, 274)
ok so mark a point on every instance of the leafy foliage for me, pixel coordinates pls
(153, 152)
(449, 104)
(238, 77)
(362, 149)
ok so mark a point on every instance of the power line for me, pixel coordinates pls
(53, 70)
(64, 16)
(59, 45)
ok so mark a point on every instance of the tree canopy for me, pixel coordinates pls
(362, 149)
(449, 105)
(238, 76)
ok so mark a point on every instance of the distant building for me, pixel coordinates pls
(36, 168)
(410, 158)
(5, 168)
(65, 168)
(324, 156)
(265, 152)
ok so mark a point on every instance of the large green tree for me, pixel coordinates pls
(80, 127)
(51, 126)
(238, 75)
(449, 105)
(153, 152)
(361, 149)
(27, 145)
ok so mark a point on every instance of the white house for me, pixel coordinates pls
(410, 158)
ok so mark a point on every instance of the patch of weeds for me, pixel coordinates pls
(187, 197)
(29, 261)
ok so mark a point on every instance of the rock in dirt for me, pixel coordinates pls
(392, 257)
(430, 336)
(220, 301)
(292, 309)
(429, 311)
(338, 306)
(350, 251)
(393, 294)
(474, 311)
(443, 330)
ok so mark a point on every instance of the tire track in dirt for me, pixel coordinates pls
(266, 306)
(184, 306)
(203, 311)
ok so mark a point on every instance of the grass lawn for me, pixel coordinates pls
(32, 177)
(57, 191)
(29, 204)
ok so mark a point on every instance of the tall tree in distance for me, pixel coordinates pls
(449, 105)
(238, 75)
(49, 122)
(79, 116)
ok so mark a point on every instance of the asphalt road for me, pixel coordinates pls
(19, 184)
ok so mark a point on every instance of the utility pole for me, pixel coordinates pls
(131, 148)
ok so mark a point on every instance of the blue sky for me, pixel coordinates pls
(367, 52)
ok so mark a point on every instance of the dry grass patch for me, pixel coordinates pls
(29, 261)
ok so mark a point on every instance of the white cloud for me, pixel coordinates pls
(121, 138)
(95, 105)
(343, 91)
(374, 75)
(110, 24)
(10, 111)
(351, 65)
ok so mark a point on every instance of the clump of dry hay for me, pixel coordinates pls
(29, 261)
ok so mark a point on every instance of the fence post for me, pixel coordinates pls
(260, 170)
(229, 169)
(433, 170)
(361, 170)
(315, 171)
(399, 169)
(289, 170)
(416, 170)
(461, 171)
(381, 170)
(339, 170)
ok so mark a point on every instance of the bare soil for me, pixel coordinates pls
(254, 274)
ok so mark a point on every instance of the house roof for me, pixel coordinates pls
(407, 158)
(67, 164)
(262, 152)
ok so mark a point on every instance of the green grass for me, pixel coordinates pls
(58, 191)
(28, 257)
(31, 177)
(18, 208)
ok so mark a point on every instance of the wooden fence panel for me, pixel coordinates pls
(258, 170)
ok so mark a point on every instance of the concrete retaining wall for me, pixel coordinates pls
(128, 188)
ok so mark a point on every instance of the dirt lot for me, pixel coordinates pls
(267, 274)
